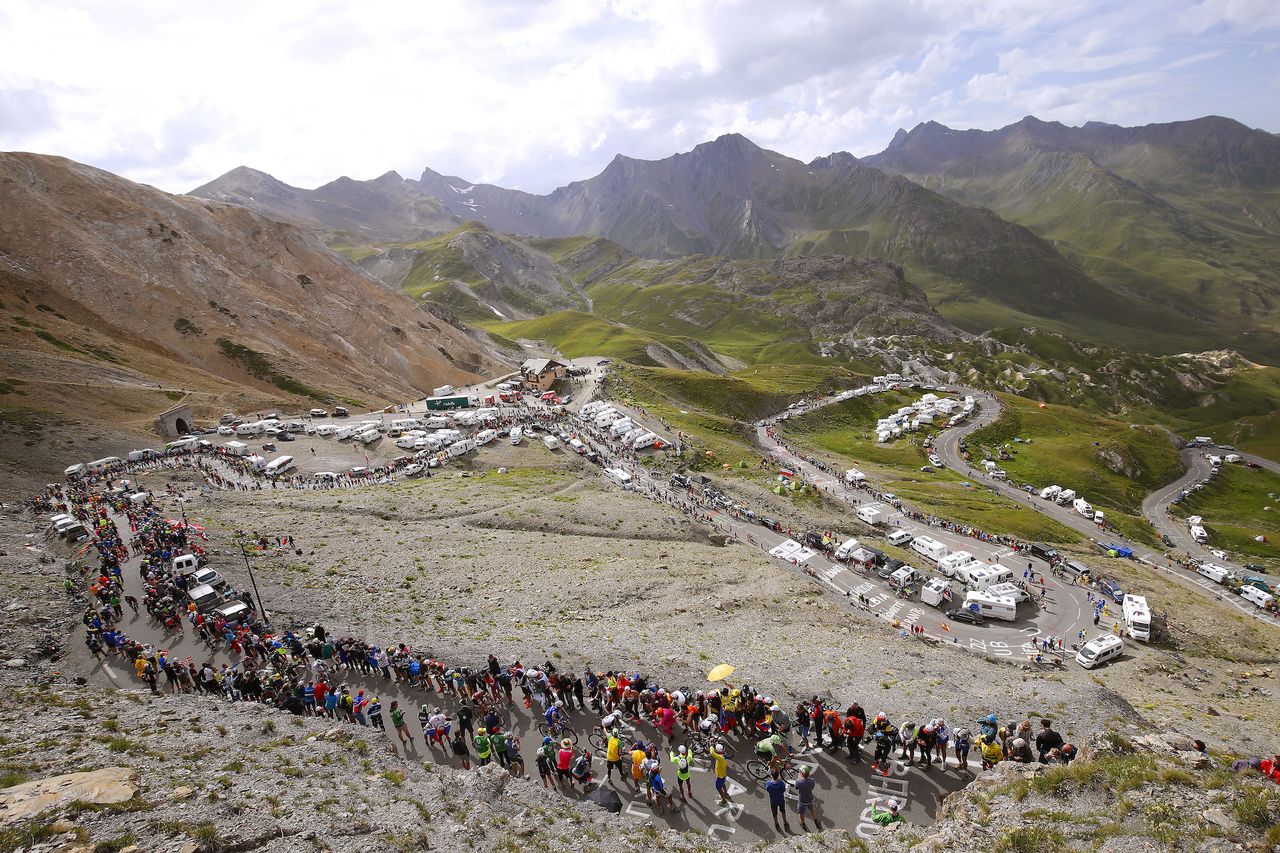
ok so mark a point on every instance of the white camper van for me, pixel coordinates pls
(1100, 650)
(871, 515)
(278, 466)
(517, 435)
(1256, 596)
(1137, 618)
(1082, 506)
(76, 470)
(1215, 573)
(485, 436)
(929, 547)
(936, 593)
(1065, 497)
(992, 606)
(950, 563)
(551, 442)
(1050, 492)
(854, 476)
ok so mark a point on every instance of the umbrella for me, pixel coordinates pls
(721, 672)
(606, 798)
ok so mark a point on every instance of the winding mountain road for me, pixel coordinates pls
(987, 410)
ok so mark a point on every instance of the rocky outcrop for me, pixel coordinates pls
(108, 786)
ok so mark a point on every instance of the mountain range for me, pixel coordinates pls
(1159, 238)
(114, 292)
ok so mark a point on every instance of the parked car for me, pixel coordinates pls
(966, 616)
(270, 448)
(319, 413)
(284, 436)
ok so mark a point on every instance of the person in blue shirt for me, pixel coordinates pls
(777, 790)
(660, 791)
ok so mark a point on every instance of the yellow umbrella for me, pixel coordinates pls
(721, 672)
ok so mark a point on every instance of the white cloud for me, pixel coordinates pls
(537, 94)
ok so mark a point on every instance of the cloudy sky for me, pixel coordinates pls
(535, 94)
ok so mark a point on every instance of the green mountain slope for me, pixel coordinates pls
(1184, 217)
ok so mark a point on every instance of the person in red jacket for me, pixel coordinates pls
(854, 729)
(1270, 767)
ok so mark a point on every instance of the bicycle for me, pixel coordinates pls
(557, 731)
(761, 769)
(700, 744)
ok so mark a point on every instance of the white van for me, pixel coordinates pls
(517, 435)
(929, 547)
(1137, 617)
(992, 606)
(1081, 506)
(899, 537)
(846, 548)
(1098, 651)
(1050, 492)
(577, 446)
(621, 477)
(551, 442)
(485, 436)
(1256, 596)
(185, 564)
(278, 466)
(75, 470)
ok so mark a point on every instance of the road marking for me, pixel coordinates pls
(711, 831)
(636, 810)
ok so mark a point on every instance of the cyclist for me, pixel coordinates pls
(775, 749)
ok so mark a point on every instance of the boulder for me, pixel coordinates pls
(100, 787)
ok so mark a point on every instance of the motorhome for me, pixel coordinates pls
(326, 430)
(1232, 458)
(871, 515)
(854, 476)
(899, 538)
(517, 435)
(649, 439)
(460, 447)
(621, 427)
(408, 440)
(1199, 534)
(1008, 590)
(435, 422)
(465, 419)
(936, 593)
(903, 577)
(1254, 595)
(250, 428)
(139, 455)
(1137, 617)
(256, 462)
(348, 431)
(278, 466)
(929, 547)
(1065, 497)
(621, 477)
(369, 436)
(76, 470)
(442, 391)
(1215, 573)
(485, 436)
(988, 576)
(1082, 506)
(949, 564)
(551, 442)
(991, 606)
(236, 448)
(577, 446)
(104, 463)
(1098, 651)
